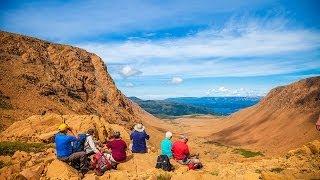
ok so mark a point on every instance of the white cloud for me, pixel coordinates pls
(129, 84)
(128, 71)
(235, 50)
(176, 80)
(236, 40)
(223, 91)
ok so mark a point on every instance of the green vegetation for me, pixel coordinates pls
(10, 147)
(215, 143)
(2, 164)
(258, 171)
(247, 153)
(214, 173)
(165, 176)
(276, 170)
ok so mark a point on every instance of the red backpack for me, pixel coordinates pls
(100, 163)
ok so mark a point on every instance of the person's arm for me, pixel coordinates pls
(92, 145)
(187, 152)
(147, 136)
(72, 132)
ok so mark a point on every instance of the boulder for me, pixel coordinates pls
(314, 146)
(21, 156)
(60, 170)
(33, 173)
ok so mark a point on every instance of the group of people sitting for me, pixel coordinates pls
(84, 153)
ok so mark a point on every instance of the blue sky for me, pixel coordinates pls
(159, 49)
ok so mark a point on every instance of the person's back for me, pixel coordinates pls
(166, 145)
(118, 149)
(180, 150)
(63, 144)
(139, 141)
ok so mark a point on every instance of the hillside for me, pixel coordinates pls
(169, 109)
(38, 77)
(283, 120)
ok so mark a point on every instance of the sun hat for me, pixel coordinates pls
(139, 127)
(168, 134)
(63, 127)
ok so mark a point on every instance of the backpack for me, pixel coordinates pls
(194, 166)
(78, 145)
(163, 162)
(100, 163)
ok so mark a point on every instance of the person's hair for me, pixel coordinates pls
(91, 131)
(116, 134)
(183, 137)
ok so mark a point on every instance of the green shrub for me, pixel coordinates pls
(276, 170)
(164, 176)
(247, 153)
(10, 147)
(214, 173)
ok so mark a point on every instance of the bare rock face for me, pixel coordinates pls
(39, 77)
(43, 127)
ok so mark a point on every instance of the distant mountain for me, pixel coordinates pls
(192, 105)
(219, 105)
(165, 109)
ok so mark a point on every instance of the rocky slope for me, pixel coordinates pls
(283, 120)
(37, 77)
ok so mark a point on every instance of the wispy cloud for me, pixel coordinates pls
(176, 80)
(128, 71)
(223, 91)
(235, 50)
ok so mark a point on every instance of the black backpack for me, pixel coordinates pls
(79, 144)
(163, 162)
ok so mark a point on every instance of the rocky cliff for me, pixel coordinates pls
(37, 77)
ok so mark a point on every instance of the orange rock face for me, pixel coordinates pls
(37, 77)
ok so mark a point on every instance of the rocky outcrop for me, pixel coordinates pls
(43, 127)
(39, 77)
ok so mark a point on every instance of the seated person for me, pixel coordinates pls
(166, 145)
(89, 145)
(139, 137)
(181, 152)
(63, 143)
(118, 148)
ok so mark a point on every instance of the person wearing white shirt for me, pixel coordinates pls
(90, 145)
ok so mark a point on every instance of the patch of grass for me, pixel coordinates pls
(10, 147)
(215, 143)
(247, 153)
(276, 170)
(164, 176)
(3, 164)
(258, 171)
(214, 173)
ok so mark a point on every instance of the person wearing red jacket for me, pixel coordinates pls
(181, 153)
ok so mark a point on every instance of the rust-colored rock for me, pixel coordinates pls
(39, 77)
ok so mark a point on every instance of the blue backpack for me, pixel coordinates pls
(79, 144)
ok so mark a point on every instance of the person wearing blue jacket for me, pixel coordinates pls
(139, 137)
(166, 145)
(64, 149)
